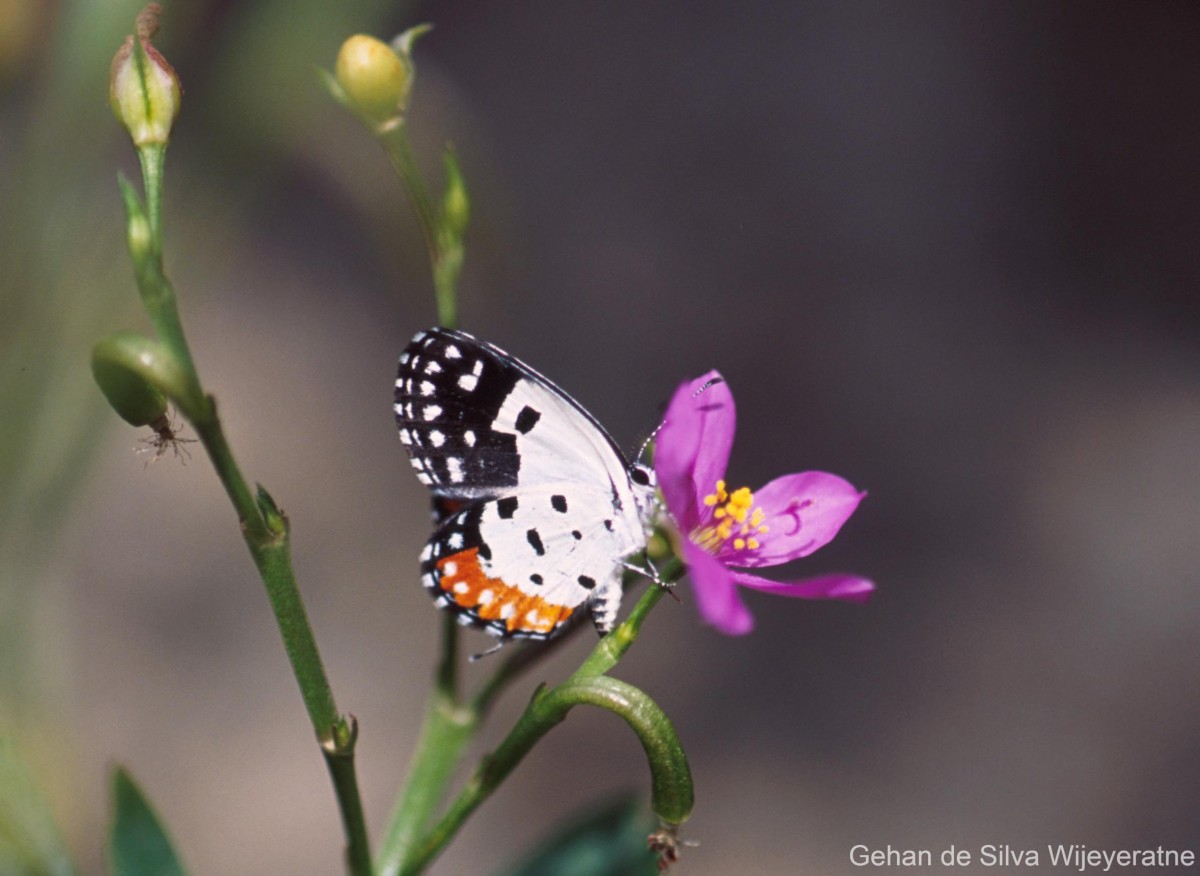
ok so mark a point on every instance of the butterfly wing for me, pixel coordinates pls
(534, 500)
(521, 566)
(478, 423)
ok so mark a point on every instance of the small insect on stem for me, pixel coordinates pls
(664, 843)
(167, 430)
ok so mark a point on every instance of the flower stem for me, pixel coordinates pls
(264, 527)
(399, 151)
(670, 775)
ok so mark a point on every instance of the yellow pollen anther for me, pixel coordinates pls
(734, 519)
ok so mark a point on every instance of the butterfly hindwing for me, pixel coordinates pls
(520, 567)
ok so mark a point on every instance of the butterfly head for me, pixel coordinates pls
(645, 492)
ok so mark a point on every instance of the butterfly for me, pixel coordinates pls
(540, 509)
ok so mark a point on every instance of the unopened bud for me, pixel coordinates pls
(456, 205)
(375, 80)
(119, 364)
(143, 89)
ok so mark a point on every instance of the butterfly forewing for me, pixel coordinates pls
(477, 422)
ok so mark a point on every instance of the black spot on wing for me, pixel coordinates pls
(559, 504)
(535, 541)
(506, 507)
(586, 583)
(536, 578)
(527, 419)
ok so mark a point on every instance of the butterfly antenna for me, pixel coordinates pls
(708, 384)
(474, 658)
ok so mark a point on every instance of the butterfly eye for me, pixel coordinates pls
(640, 476)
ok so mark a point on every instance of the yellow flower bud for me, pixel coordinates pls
(374, 79)
(143, 89)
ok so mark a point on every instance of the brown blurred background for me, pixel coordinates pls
(950, 251)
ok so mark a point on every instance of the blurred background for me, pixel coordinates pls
(946, 250)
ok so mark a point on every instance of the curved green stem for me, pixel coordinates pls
(670, 775)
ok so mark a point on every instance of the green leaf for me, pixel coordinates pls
(30, 844)
(138, 845)
(609, 840)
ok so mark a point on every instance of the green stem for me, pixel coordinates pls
(264, 528)
(445, 262)
(670, 775)
(612, 647)
(152, 159)
(448, 730)
(399, 151)
(668, 765)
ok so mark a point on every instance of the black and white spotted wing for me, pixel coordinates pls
(549, 505)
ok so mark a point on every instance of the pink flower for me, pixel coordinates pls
(723, 531)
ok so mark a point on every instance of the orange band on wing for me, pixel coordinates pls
(464, 580)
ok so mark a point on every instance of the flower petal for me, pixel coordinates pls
(717, 598)
(850, 588)
(802, 512)
(692, 448)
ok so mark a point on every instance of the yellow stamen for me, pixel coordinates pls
(731, 513)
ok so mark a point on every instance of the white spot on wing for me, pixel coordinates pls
(486, 596)
(461, 587)
(477, 368)
(469, 438)
(436, 438)
(468, 382)
(427, 388)
(433, 368)
(453, 352)
(454, 468)
(455, 541)
(431, 413)
(450, 570)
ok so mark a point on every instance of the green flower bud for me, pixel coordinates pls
(143, 89)
(456, 205)
(374, 79)
(136, 375)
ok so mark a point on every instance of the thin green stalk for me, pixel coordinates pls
(264, 527)
(547, 709)
(339, 758)
(445, 251)
(670, 775)
(152, 158)
(399, 151)
(448, 730)
(609, 651)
